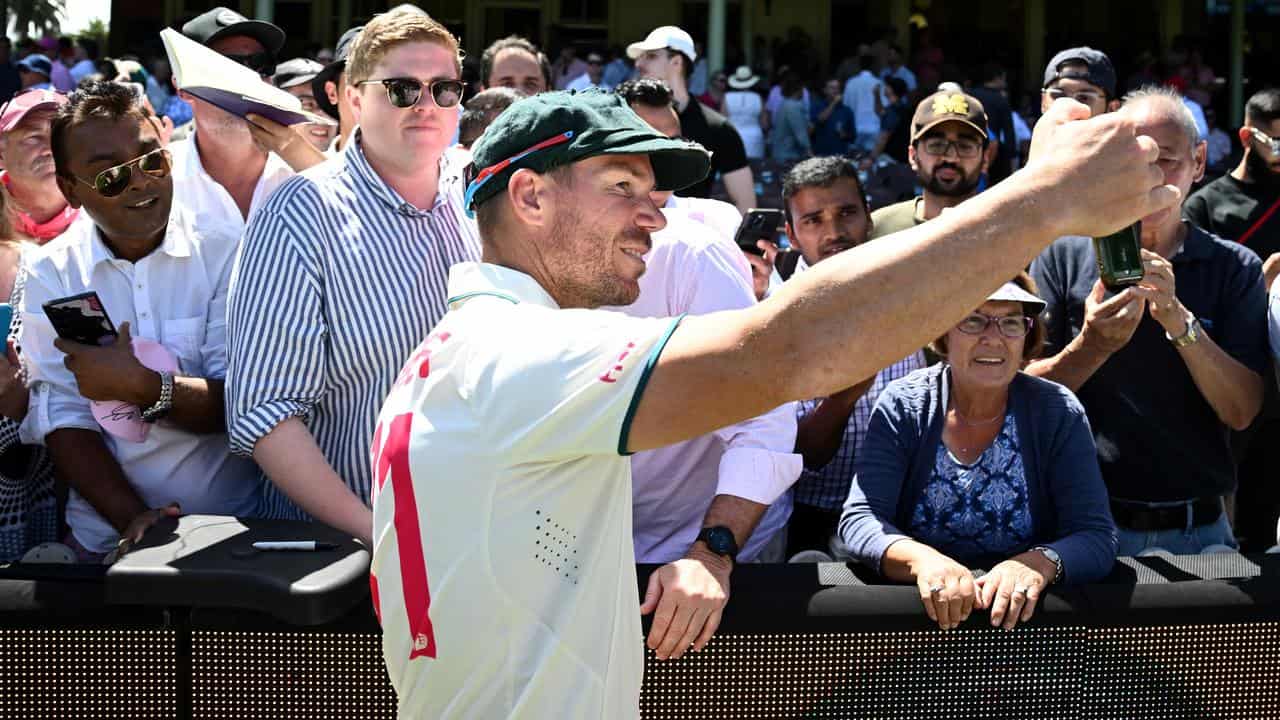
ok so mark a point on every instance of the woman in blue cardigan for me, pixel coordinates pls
(972, 463)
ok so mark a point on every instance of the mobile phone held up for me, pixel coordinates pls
(81, 318)
(758, 224)
(1120, 258)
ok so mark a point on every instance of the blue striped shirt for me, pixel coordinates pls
(337, 281)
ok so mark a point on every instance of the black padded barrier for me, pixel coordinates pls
(1162, 637)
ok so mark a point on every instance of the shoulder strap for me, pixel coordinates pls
(1257, 224)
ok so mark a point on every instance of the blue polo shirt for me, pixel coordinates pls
(1158, 438)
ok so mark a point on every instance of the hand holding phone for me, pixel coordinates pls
(81, 318)
(1119, 257)
(758, 224)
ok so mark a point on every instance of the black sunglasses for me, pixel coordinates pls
(114, 180)
(405, 92)
(263, 63)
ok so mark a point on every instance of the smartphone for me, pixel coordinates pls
(758, 224)
(1119, 258)
(6, 318)
(81, 318)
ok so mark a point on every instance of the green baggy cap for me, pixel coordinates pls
(552, 129)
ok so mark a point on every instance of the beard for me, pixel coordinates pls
(588, 277)
(1261, 172)
(962, 186)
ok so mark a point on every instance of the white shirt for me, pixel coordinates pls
(583, 82)
(720, 216)
(503, 570)
(860, 97)
(175, 296)
(195, 190)
(688, 271)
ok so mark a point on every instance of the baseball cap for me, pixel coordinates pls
(667, 37)
(36, 64)
(222, 22)
(330, 71)
(560, 128)
(1100, 71)
(295, 72)
(944, 106)
(1010, 291)
(13, 111)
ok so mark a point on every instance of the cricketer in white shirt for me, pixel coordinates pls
(207, 199)
(501, 474)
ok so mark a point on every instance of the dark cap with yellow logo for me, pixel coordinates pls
(943, 106)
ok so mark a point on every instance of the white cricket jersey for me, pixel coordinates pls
(503, 570)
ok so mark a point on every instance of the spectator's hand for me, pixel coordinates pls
(1109, 324)
(284, 141)
(166, 130)
(1108, 171)
(1159, 288)
(13, 394)
(946, 589)
(762, 267)
(110, 372)
(689, 596)
(143, 522)
(1012, 590)
(1271, 270)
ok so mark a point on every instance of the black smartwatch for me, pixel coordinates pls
(720, 540)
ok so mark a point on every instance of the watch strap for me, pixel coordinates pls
(1190, 336)
(164, 403)
(723, 543)
(1053, 557)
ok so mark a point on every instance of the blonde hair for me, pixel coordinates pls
(394, 28)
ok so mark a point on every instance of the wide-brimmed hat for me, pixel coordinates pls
(1032, 305)
(743, 78)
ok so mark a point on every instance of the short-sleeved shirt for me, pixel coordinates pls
(1228, 207)
(709, 128)
(1158, 438)
(503, 567)
(897, 217)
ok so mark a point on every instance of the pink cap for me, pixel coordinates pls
(23, 103)
(122, 419)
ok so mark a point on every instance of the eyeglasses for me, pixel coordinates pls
(1084, 97)
(1010, 326)
(263, 63)
(405, 92)
(1273, 144)
(477, 178)
(114, 180)
(941, 146)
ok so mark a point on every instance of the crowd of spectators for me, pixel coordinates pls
(268, 283)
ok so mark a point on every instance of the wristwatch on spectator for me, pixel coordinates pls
(1053, 557)
(720, 540)
(1190, 337)
(165, 403)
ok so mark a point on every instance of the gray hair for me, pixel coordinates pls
(1173, 105)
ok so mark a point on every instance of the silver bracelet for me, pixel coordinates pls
(164, 403)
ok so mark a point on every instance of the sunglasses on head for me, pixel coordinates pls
(114, 180)
(405, 92)
(262, 63)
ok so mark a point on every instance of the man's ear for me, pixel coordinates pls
(1245, 133)
(353, 97)
(1113, 105)
(527, 193)
(989, 154)
(911, 158)
(1200, 155)
(331, 91)
(69, 189)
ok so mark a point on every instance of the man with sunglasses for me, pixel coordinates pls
(948, 152)
(1084, 75)
(343, 271)
(163, 283)
(221, 172)
(502, 560)
(1244, 206)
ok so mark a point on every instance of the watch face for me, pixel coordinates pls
(721, 541)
